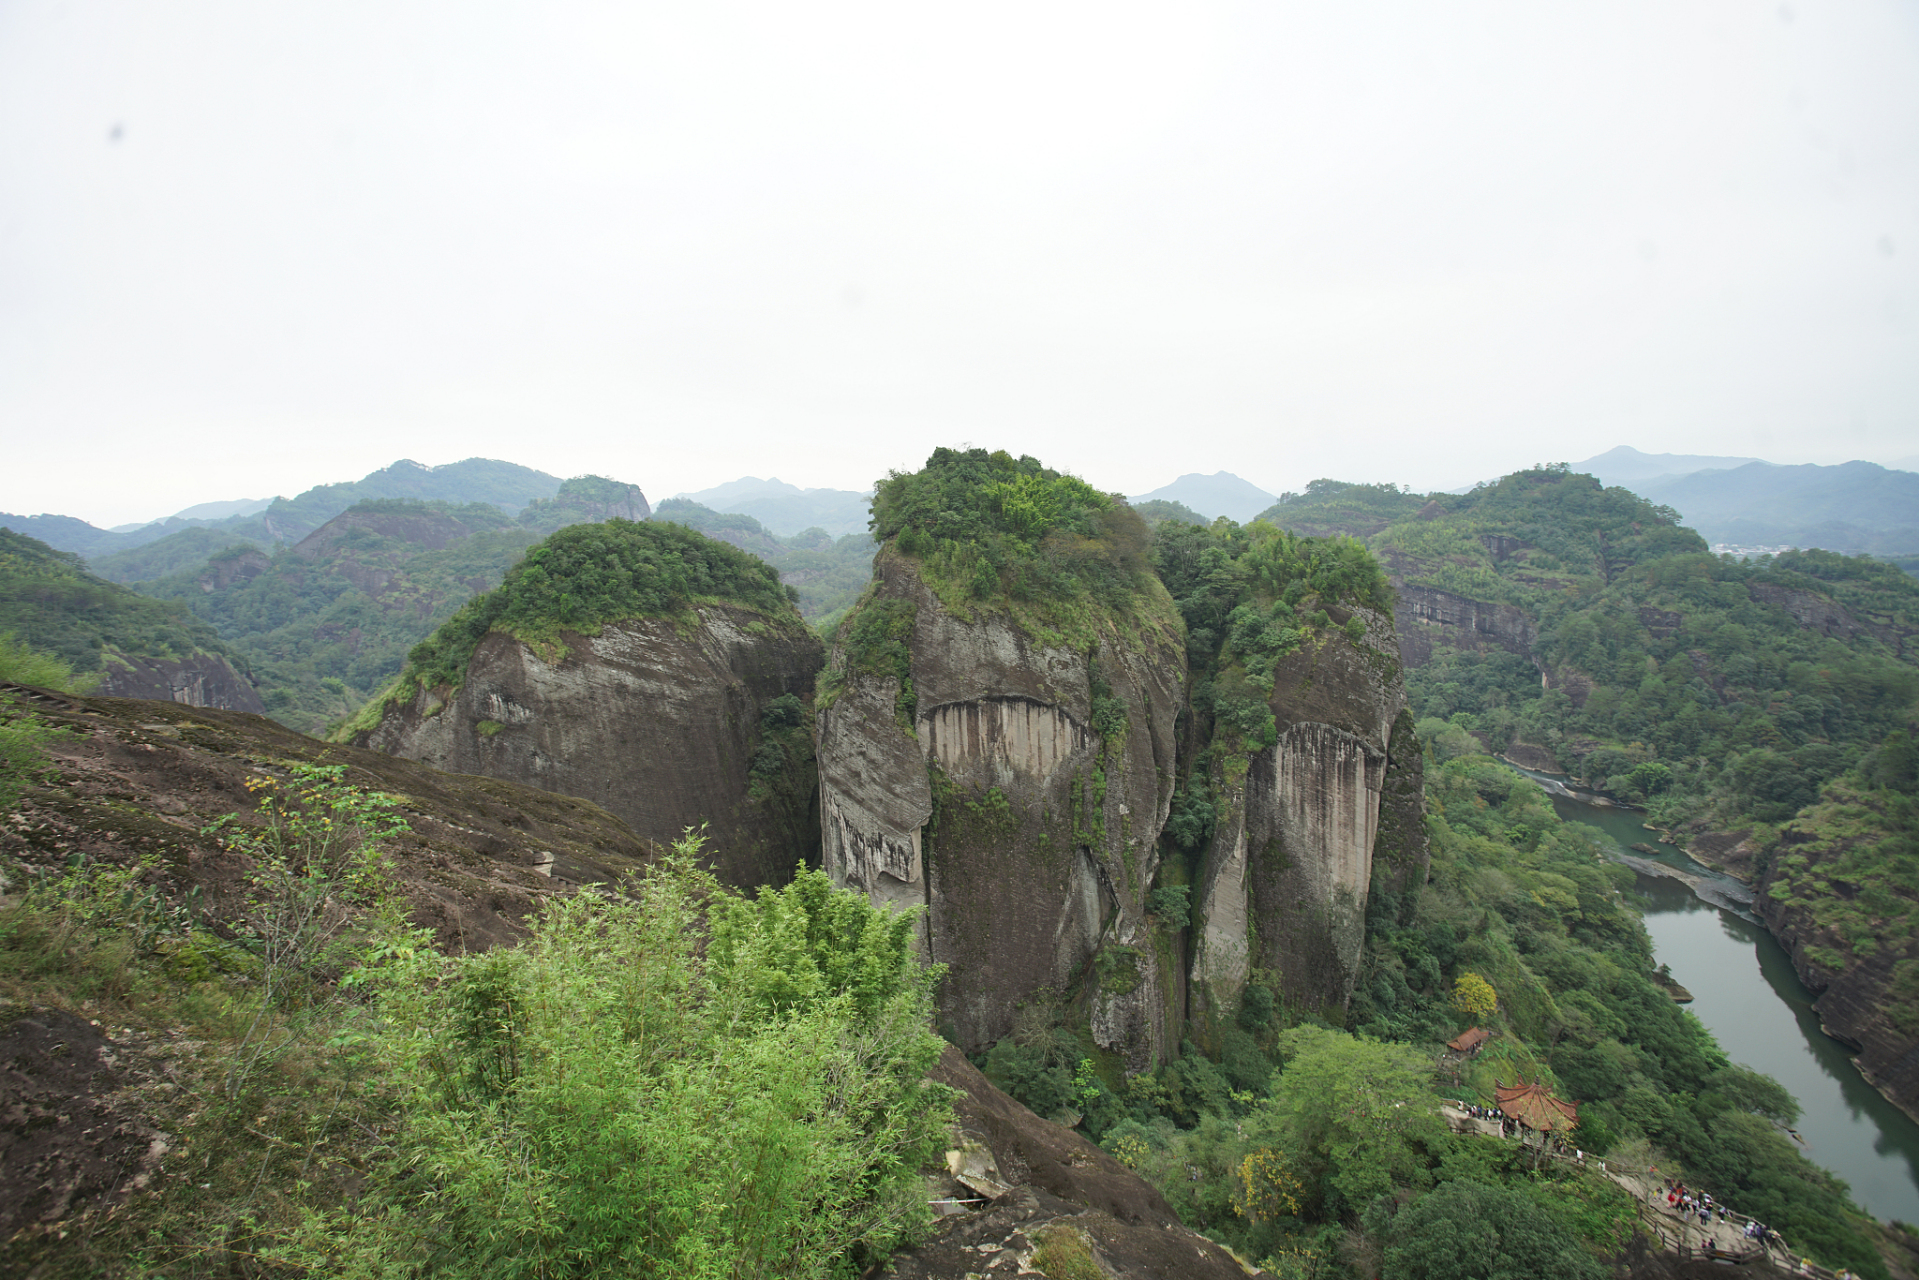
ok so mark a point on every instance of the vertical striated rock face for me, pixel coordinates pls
(986, 792)
(1311, 822)
(197, 680)
(656, 721)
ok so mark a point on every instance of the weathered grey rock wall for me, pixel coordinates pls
(198, 680)
(1309, 822)
(1426, 617)
(1029, 836)
(656, 723)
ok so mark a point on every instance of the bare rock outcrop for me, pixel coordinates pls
(197, 680)
(1311, 822)
(1033, 1181)
(133, 778)
(1427, 618)
(659, 721)
(981, 784)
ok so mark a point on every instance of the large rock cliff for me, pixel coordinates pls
(1312, 823)
(660, 722)
(1016, 785)
(197, 680)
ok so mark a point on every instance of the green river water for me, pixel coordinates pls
(1746, 992)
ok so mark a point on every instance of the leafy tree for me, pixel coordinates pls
(674, 1083)
(1470, 1231)
(1267, 1188)
(1354, 1114)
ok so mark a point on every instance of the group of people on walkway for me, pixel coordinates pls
(1690, 1204)
(1700, 1207)
(1507, 1126)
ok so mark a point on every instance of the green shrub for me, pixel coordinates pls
(650, 1086)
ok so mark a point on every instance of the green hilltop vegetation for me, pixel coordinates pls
(1250, 596)
(51, 603)
(588, 575)
(990, 530)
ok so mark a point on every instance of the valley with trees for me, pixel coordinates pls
(366, 1017)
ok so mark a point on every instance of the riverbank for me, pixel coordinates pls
(1709, 929)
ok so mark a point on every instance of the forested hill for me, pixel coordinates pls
(131, 646)
(1763, 709)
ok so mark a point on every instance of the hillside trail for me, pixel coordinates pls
(1681, 1233)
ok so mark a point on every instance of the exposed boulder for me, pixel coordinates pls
(639, 665)
(655, 719)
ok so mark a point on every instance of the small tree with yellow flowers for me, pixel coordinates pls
(1474, 996)
(1266, 1187)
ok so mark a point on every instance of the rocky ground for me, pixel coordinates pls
(136, 778)
(1029, 1182)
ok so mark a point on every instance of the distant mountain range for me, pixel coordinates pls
(1220, 494)
(204, 511)
(284, 520)
(1627, 466)
(1853, 507)
(786, 509)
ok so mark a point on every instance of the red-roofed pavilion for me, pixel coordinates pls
(1533, 1105)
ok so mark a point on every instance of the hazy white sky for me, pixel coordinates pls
(246, 248)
